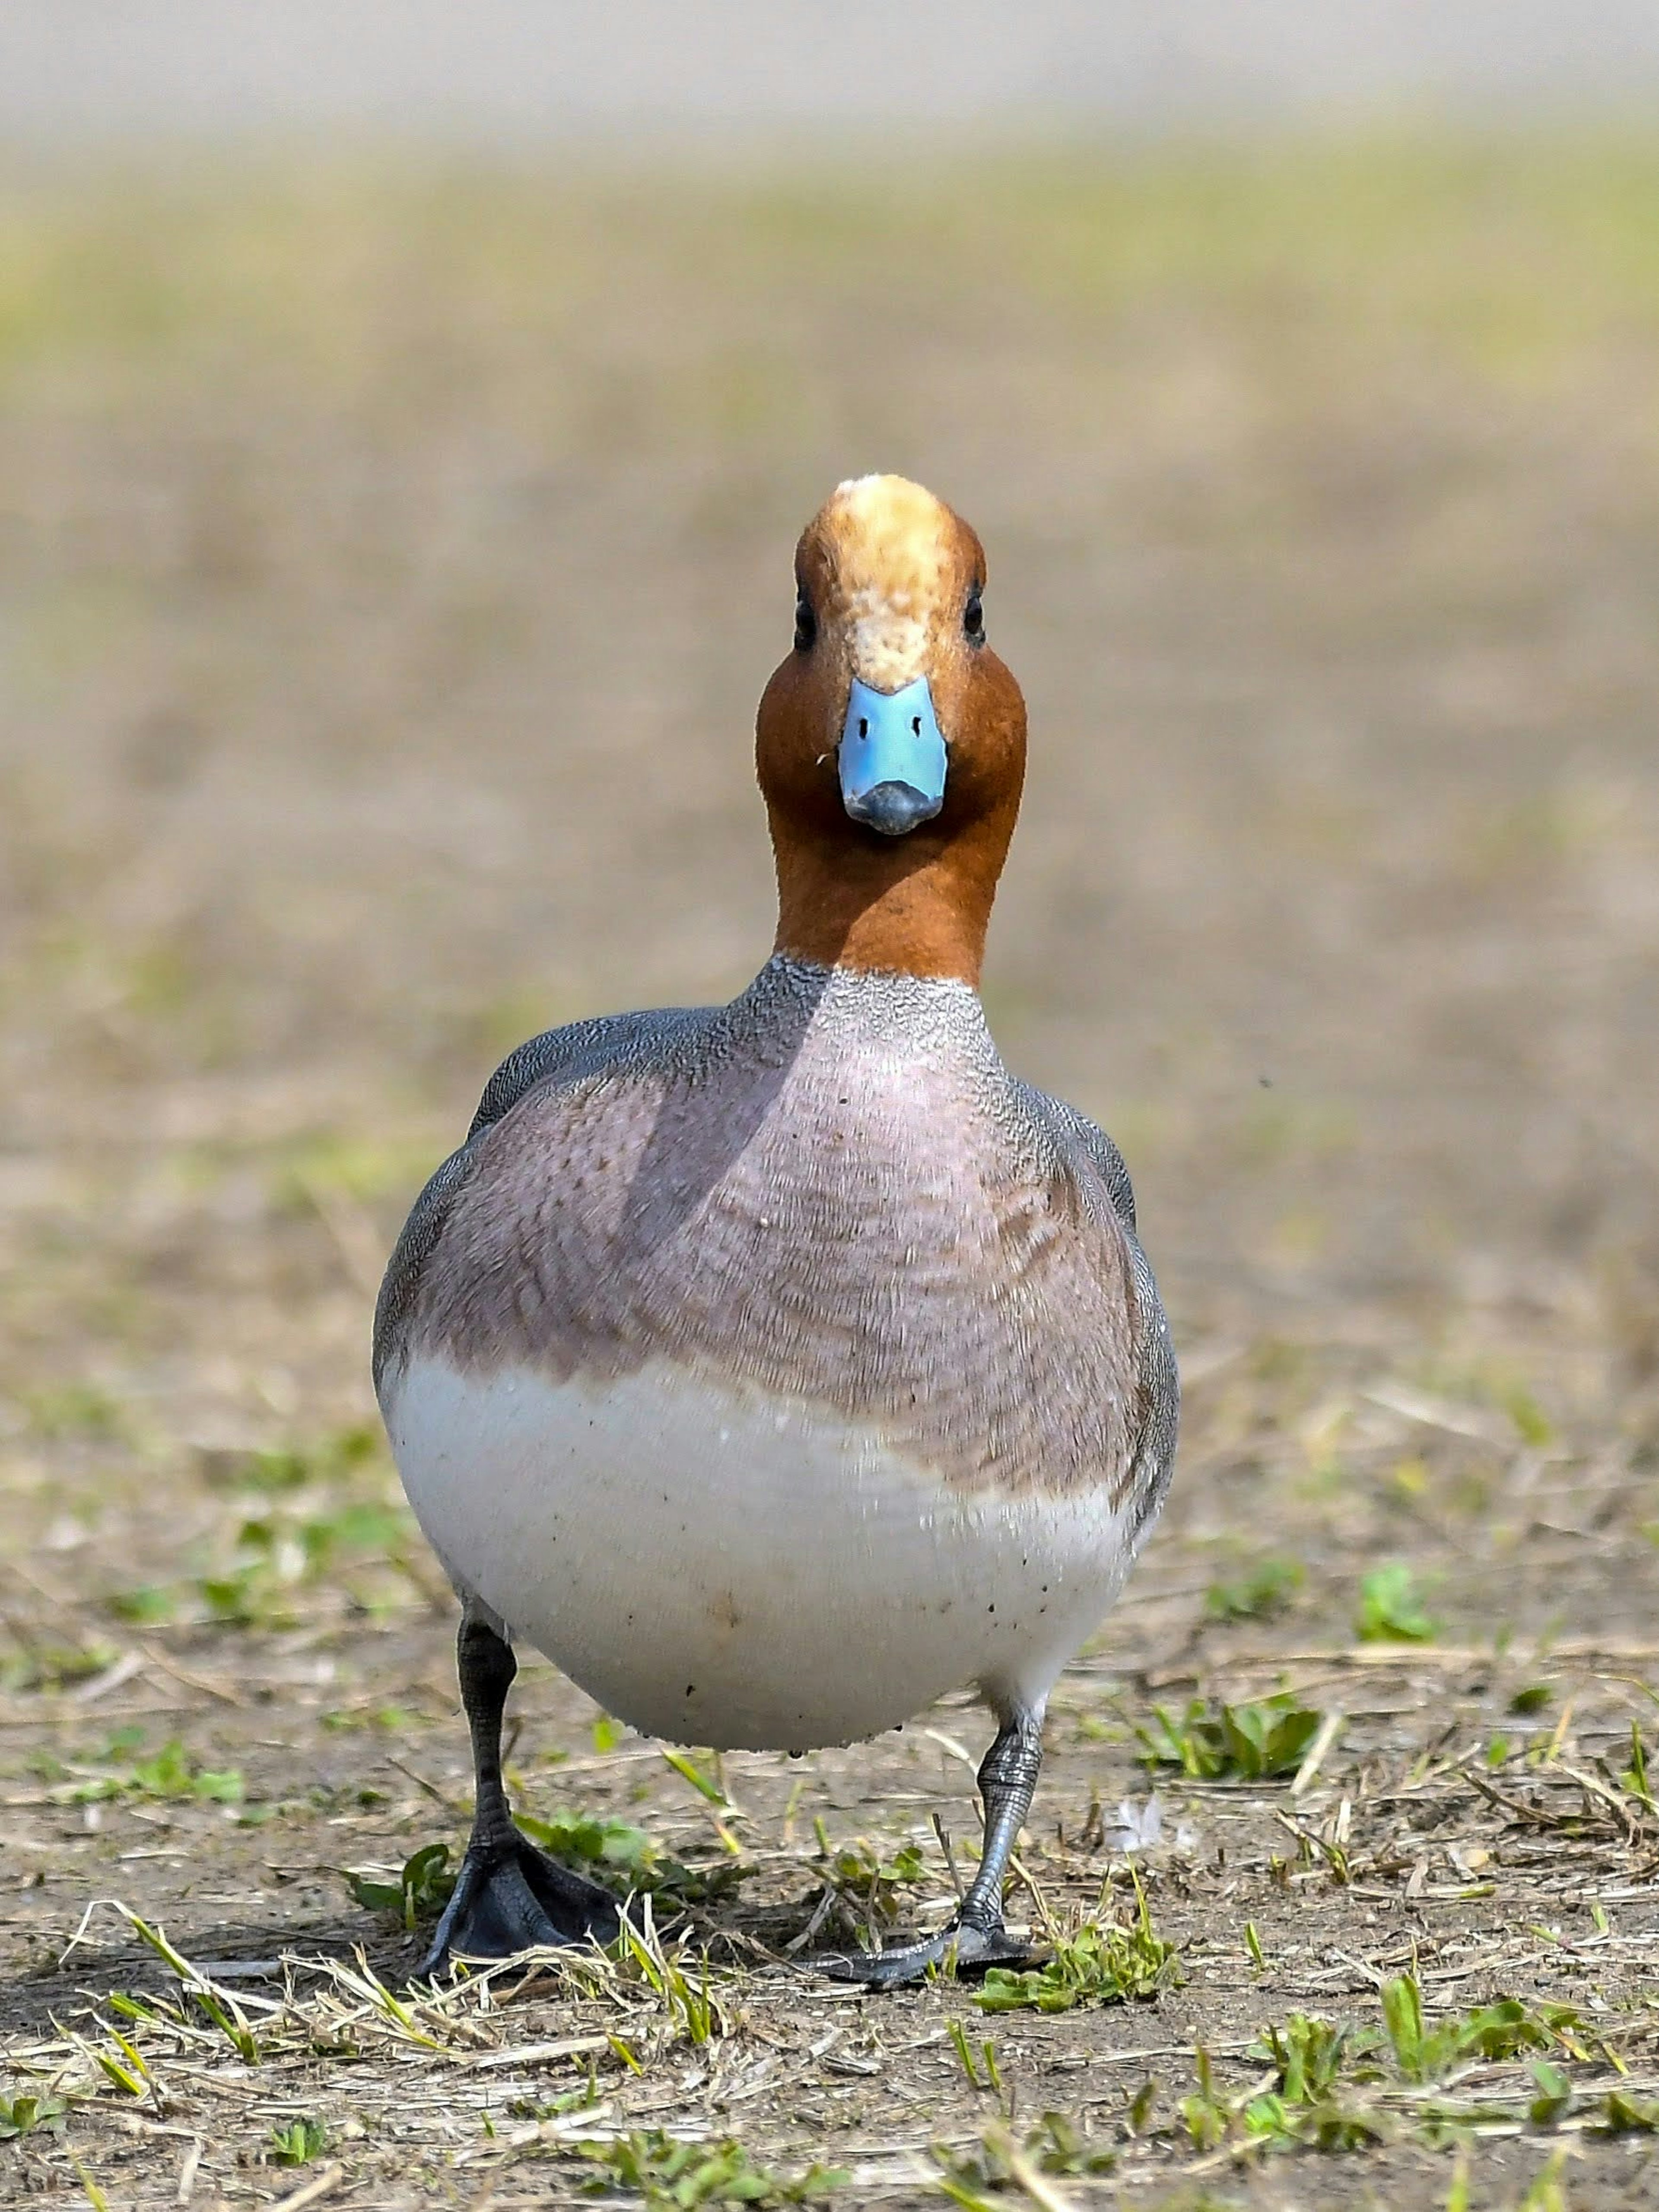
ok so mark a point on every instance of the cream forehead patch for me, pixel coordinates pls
(889, 638)
(889, 545)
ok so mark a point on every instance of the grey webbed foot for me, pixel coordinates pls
(513, 1897)
(972, 1950)
(975, 1937)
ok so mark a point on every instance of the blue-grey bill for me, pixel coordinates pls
(892, 757)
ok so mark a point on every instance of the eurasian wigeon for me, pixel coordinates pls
(776, 1367)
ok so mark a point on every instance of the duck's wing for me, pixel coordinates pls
(580, 1052)
(1076, 1134)
(1081, 1143)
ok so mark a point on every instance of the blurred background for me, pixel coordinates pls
(406, 416)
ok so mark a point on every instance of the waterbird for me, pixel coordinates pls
(775, 1368)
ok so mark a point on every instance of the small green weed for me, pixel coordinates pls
(1555, 2097)
(666, 2173)
(693, 2006)
(1260, 1591)
(1206, 2114)
(1391, 1609)
(147, 1606)
(424, 1888)
(1306, 2109)
(1533, 1698)
(1096, 1964)
(1311, 2054)
(1271, 2122)
(1634, 1779)
(1246, 1743)
(170, 1772)
(335, 1459)
(862, 1878)
(89, 2189)
(278, 1552)
(629, 1859)
(220, 2008)
(1058, 2146)
(1623, 2114)
(617, 1851)
(299, 2143)
(1504, 2030)
(1055, 2146)
(1532, 1423)
(308, 1521)
(979, 2066)
(38, 1667)
(147, 2011)
(709, 1783)
(388, 1720)
(613, 1847)
(25, 2115)
(1323, 2067)
(128, 2072)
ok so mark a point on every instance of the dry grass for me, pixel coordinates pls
(389, 566)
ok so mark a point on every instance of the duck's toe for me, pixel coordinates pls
(958, 1948)
(516, 1899)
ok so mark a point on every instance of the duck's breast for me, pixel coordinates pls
(773, 1397)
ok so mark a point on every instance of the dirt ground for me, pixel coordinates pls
(389, 558)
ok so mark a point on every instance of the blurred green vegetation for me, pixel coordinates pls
(1508, 256)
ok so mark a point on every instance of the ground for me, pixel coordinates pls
(391, 557)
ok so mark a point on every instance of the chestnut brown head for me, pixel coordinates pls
(890, 743)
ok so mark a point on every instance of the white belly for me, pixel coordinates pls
(720, 1571)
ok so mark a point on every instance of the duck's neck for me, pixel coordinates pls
(797, 1011)
(918, 906)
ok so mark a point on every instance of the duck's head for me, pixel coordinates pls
(890, 740)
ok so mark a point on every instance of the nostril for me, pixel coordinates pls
(863, 727)
(915, 724)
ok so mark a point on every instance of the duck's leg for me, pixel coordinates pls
(975, 1936)
(508, 1896)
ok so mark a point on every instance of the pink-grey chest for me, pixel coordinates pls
(845, 1221)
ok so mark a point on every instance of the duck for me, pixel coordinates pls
(776, 1368)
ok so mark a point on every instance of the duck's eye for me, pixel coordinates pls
(806, 624)
(973, 618)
